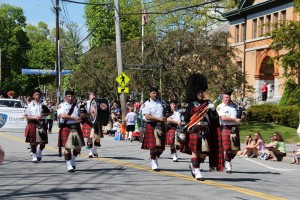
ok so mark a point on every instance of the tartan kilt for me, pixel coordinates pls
(190, 143)
(64, 134)
(225, 134)
(86, 129)
(149, 141)
(30, 133)
(170, 136)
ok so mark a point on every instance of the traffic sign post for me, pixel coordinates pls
(123, 79)
(123, 89)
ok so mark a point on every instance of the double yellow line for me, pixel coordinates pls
(166, 173)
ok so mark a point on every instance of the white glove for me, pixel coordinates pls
(211, 106)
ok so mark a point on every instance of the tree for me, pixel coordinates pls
(14, 44)
(286, 37)
(101, 22)
(41, 55)
(177, 54)
(164, 16)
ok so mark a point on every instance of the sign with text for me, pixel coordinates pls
(45, 71)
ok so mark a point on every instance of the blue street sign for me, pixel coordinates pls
(45, 71)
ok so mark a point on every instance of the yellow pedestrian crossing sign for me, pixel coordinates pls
(123, 79)
(123, 89)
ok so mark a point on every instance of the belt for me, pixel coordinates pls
(202, 124)
(154, 123)
(228, 126)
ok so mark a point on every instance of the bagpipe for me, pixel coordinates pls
(99, 111)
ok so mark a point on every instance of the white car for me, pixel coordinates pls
(12, 103)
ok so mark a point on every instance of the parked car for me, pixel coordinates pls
(11, 103)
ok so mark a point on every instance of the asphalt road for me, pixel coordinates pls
(123, 172)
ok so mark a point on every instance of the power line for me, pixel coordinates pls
(93, 4)
(175, 10)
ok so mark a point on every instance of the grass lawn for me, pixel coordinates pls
(267, 130)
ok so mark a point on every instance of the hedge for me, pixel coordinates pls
(282, 115)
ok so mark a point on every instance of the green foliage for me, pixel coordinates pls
(282, 115)
(287, 38)
(288, 116)
(101, 22)
(262, 113)
(14, 43)
(291, 94)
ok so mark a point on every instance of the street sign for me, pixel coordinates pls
(45, 71)
(123, 89)
(123, 79)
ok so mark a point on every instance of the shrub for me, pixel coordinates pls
(262, 113)
(290, 94)
(282, 115)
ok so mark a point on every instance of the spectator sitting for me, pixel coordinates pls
(296, 155)
(115, 128)
(277, 149)
(247, 152)
(258, 148)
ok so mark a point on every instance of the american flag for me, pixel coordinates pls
(144, 18)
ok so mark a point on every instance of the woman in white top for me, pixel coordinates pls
(259, 148)
(130, 124)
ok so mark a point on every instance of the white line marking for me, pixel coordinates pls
(269, 167)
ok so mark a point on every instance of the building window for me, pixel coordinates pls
(240, 65)
(283, 17)
(243, 32)
(261, 26)
(237, 33)
(275, 21)
(268, 24)
(254, 28)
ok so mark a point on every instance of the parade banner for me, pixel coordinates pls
(11, 118)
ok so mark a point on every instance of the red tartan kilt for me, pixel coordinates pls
(226, 142)
(190, 144)
(30, 133)
(170, 136)
(149, 141)
(86, 130)
(65, 134)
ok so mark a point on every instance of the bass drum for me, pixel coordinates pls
(103, 111)
(93, 110)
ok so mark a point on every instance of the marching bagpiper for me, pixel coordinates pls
(173, 124)
(201, 124)
(70, 134)
(36, 128)
(154, 135)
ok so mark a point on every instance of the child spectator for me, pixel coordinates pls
(115, 128)
(296, 155)
(246, 153)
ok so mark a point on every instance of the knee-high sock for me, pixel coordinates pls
(195, 162)
(153, 154)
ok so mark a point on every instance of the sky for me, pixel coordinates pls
(41, 10)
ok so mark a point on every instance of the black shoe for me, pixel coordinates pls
(39, 159)
(200, 179)
(74, 167)
(71, 170)
(228, 171)
(95, 155)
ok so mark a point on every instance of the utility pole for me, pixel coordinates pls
(57, 56)
(0, 67)
(119, 54)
